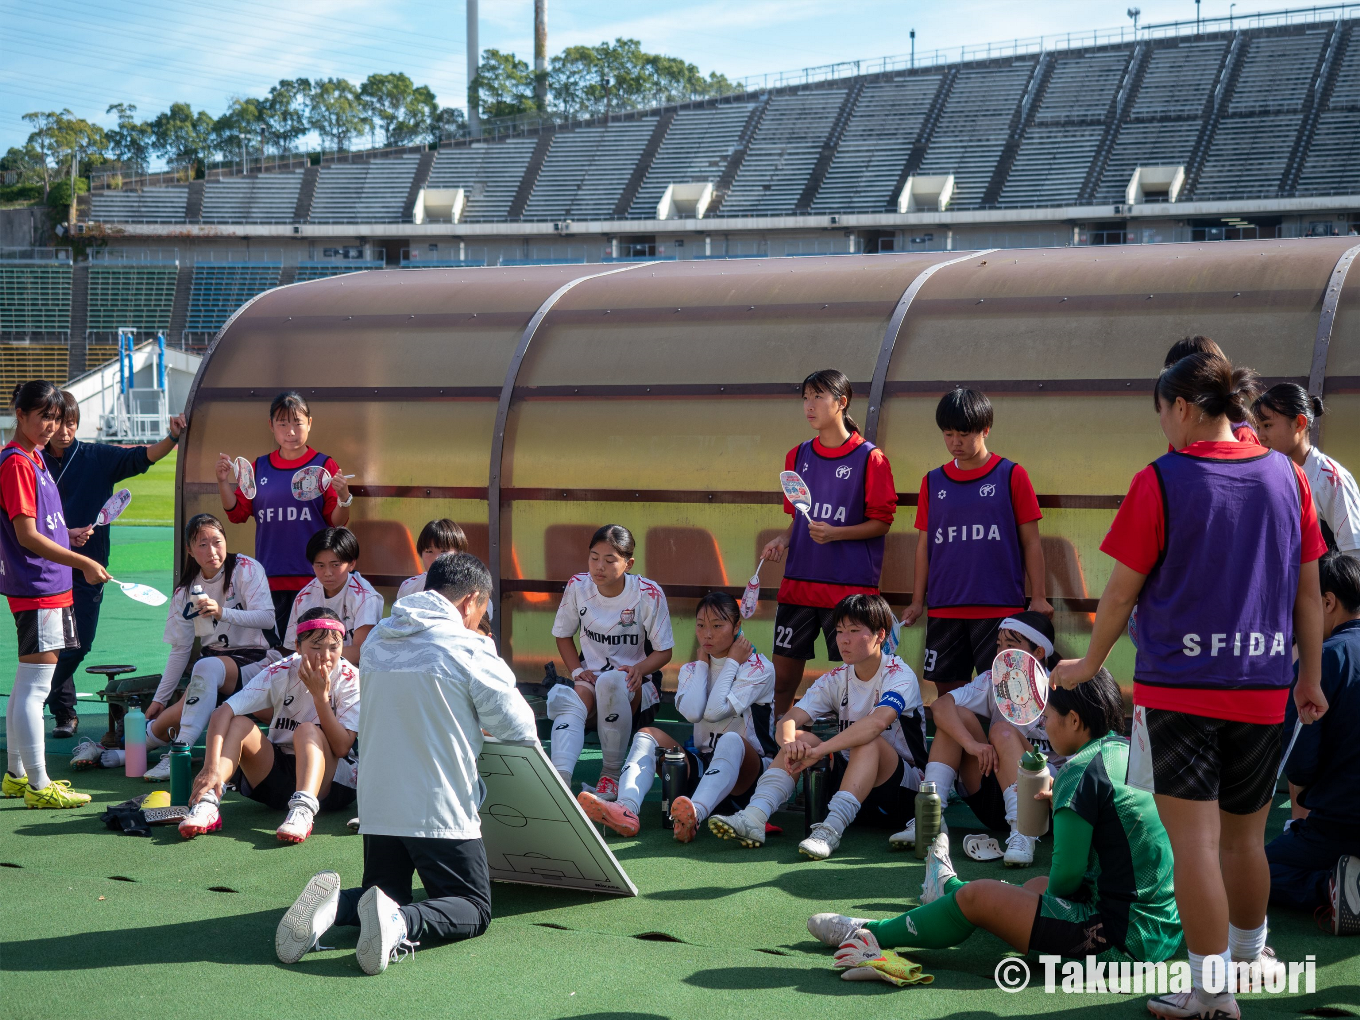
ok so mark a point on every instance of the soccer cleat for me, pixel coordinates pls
(906, 839)
(610, 813)
(203, 816)
(353, 824)
(833, 929)
(1019, 850)
(13, 786)
(1187, 1005)
(607, 789)
(87, 754)
(382, 932)
(1343, 894)
(160, 772)
(684, 820)
(297, 826)
(821, 842)
(66, 730)
(1266, 965)
(310, 916)
(939, 870)
(56, 794)
(741, 827)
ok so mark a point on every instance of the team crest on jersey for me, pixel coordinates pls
(843, 471)
(987, 490)
(628, 617)
(940, 494)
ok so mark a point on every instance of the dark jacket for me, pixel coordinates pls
(85, 478)
(1326, 758)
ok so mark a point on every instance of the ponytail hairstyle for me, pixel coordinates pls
(1192, 345)
(41, 396)
(833, 382)
(1289, 400)
(191, 570)
(619, 538)
(287, 403)
(1097, 703)
(1212, 384)
(722, 604)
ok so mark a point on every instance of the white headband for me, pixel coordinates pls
(1029, 633)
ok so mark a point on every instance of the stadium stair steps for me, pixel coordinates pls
(1214, 108)
(829, 147)
(924, 136)
(179, 311)
(531, 172)
(418, 183)
(306, 193)
(1333, 52)
(1120, 106)
(193, 208)
(80, 317)
(734, 162)
(287, 275)
(644, 164)
(1020, 122)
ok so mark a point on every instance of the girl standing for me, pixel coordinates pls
(283, 523)
(35, 573)
(838, 552)
(1217, 543)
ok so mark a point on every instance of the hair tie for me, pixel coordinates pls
(321, 624)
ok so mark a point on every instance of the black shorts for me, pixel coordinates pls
(888, 805)
(989, 804)
(1194, 757)
(796, 629)
(695, 765)
(241, 656)
(1067, 928)
(955, 649)
(283, 608)
(277, 788)
(46, 630)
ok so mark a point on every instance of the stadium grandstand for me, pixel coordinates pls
(1186, 132)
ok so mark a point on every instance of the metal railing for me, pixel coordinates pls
(259, 256)
(142, 256)
(35, 255)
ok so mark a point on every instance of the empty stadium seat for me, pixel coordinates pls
(140, 294)
(586, 170)
(219, 288)
(1333, 161)
(696, 148)
(371, 192)
(150, 205)
(566, 548)
(1064, 577)
(488, 172)
(385, 547)
(22, 362)
(680, 555)
(899, 562)
(783, 153)
(268, 198)
(35, 295)
(320, 269)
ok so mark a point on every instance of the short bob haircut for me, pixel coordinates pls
(340, 541)
(870, 611)
(962, 410)
(444, 535)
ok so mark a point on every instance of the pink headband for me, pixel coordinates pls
(321, 624)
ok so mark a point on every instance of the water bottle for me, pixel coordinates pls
(673, 769)
(134, 741)
(816, 794)
(927, 818)
(203, 623)
(1031, 817)
(181, 778)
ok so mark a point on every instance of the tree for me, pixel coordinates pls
(182, 136)
(285, 112)
(504, 85)
(130, 143)
(594, 80)
(337, 112)
(61, 141)
(241, 130)
(449, 122)
(42, 142)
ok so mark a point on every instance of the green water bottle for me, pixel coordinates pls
(181, 774)
(927, 818)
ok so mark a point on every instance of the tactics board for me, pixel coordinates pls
(534, 831)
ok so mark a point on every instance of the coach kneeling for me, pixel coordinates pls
(429, 685)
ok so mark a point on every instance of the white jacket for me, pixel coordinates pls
(429, 686)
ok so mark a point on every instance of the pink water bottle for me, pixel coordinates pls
(134, 742)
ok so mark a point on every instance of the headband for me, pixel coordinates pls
(1031, 634)
(320, 624)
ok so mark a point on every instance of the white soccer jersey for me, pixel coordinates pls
(357, 604)
(279, 689)
(723, 695)
(976, 696)
(614, 631)
(414, 584)
(843, 695)
(1337, 498)
(247, 611)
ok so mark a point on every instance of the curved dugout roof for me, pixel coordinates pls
(664, 396)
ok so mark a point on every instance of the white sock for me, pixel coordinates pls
(1197, 970)
(153, 741)
(638, 771)
(1011, 795)
(721, 775)
(841, 811)
(943, 777)
(568, 714)
(1246, 943)
(16, 762)
(200, 698)
(613, 720)
(32, 684)
(773, 790)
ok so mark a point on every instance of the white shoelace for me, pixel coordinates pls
(402, 950)
(1018, 841)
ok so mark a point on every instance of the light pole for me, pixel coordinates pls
(913, 47)
(1133, 13)
(1230, 16)
(1197, 25)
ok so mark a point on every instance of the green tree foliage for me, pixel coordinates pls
(61, 141)
(286, 112)
(504, 86)
(405, 111)
(449, 122)
(241, 132)
(592, 80)
(337, 113)
(130, 143)
(183, 137)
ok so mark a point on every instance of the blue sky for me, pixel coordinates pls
(86, 54)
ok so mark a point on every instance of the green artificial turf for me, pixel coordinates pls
(153, 496)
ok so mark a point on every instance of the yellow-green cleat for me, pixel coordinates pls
(13, 786)
(56, 794)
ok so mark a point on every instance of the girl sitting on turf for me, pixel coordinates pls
(436, 538)
(982, 760)
(228, 620)
(726, 693)
(1108, 894)
(301, 766)
(337, 586)
(625, 628)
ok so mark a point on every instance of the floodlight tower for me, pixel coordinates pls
(474, 59)
(541, 54)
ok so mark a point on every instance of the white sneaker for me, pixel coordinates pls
(87, 754)
(741, 827)
(302, 809)
(1266, 965)
(1187, 1005)
(821, 842)
(939, 869)
(203, 816)
(382, 932)
(310, 917)
(833, 929)
(1019, 850)
(353, 824)
(160, 772)
(906, 839)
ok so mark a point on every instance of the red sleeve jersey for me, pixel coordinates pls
(19, 498)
